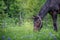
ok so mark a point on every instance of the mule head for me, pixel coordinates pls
(37, 23)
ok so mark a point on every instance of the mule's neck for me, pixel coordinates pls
(44, 10)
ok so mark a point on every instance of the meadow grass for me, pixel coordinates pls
(25, 32)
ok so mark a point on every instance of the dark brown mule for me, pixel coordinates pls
(53, 8)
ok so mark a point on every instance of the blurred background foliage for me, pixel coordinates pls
(19, 10)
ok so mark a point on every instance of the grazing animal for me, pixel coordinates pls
(53, 8)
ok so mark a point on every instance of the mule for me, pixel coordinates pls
(53, 8)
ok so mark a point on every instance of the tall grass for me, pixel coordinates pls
(25, 32)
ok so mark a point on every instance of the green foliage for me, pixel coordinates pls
(19, 9)
(14, 8)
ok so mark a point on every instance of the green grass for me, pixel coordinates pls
(25, 32)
